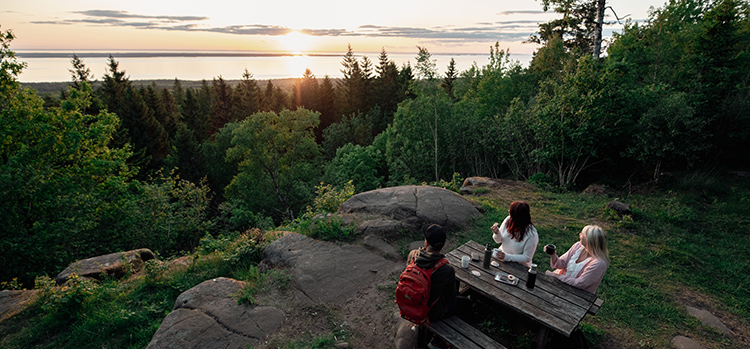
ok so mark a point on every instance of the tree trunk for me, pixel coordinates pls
(600, 4)
(435, 138)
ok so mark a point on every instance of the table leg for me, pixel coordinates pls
(541, 338)
(463, 288)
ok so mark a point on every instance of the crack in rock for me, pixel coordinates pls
(225, 327)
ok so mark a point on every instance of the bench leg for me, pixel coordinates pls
(541, 338)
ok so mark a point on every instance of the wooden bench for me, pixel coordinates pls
(462, 335)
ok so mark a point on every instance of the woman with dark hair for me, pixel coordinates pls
(517, 235)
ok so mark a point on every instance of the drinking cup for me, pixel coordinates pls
(550, 249)
(465, 261)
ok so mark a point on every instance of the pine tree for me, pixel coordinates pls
(112, 94)
(386, 91)
(194, 117)
(327, 103)
(351, 85)
(246, 99)
(450, 76)
(178, 92)
(306, 91)
(147, 136)
(80, 73)
(171, 112)
(221, 104)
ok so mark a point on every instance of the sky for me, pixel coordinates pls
(298, 26)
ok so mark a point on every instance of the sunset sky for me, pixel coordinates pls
(291, 26)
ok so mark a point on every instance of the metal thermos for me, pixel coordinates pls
(531, 279)
(487, 256)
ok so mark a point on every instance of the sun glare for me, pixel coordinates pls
(296, 42)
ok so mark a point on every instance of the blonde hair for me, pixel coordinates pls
(596, 242)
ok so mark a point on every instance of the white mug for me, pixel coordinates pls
(465, 261)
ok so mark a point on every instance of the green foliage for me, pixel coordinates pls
(10, 68)
(355, 128)
(540, 179)
(453, 185)
(277, 156)
(357, 165)
(67, 299)
(330, 198)
(58, 182)
(243, 249)
(13, 284)
(328, 227)
(167, 215)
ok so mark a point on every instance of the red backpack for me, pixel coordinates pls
(413, 292)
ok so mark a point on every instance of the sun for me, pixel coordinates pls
(295, 42)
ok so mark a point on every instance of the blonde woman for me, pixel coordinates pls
(583, 266)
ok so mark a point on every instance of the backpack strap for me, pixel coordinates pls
(439, 264)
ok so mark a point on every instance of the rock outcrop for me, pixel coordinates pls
(620, 207)
(114, 264)
(323, 272)
(13, 302)
(413, 206)
(208, 316)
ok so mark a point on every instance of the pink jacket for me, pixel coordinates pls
(590, 275)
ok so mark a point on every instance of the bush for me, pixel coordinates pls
(454, 185)
(329, 198)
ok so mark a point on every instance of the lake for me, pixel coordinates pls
(53, 66)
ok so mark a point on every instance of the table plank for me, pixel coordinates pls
(551, 303)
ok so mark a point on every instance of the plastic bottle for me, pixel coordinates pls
(487, 256)
(531, 279)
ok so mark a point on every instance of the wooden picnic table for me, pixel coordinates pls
(551, 303)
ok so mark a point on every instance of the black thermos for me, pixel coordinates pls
(531, 278)
(487, 256)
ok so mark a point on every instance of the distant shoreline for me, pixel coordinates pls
(21, 54)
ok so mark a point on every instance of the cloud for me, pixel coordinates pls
(255, 29)
(525, 12)
(477, 32)
(125, 14)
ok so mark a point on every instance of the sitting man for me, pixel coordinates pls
(443, 284)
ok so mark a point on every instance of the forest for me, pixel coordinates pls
(89, 171)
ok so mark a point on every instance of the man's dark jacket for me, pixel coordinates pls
(443, 286)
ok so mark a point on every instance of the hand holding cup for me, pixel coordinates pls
(550, 249)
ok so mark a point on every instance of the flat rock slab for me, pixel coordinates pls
(709, 319)
(323, 272)
(388, 228)
(413, 205)
(13, 302)
(208, 316)
(681, 342)
(114, 264)
(377, 243)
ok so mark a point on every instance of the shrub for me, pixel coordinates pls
(329, 198)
